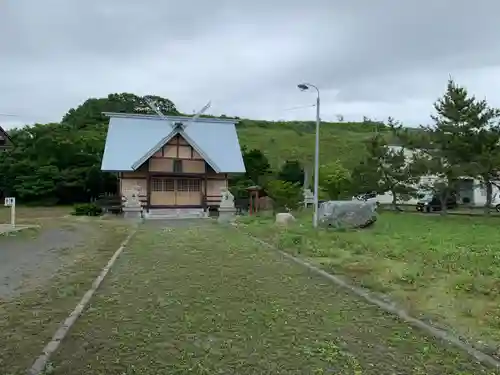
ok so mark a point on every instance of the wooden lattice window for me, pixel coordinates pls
(169, 185)
(194, 185)
(162, 184)
(157, 184)
(182, 185)
(189, 184)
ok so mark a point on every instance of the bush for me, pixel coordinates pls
(285, 195)
(335, 180)
(291, 171)
(87, 209)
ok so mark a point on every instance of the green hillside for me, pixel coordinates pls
(61, 162)
(280, 141)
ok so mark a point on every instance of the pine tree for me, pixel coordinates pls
(464, 141)
(386, 169)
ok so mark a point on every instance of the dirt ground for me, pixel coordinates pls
(30, 257)
(44, 272)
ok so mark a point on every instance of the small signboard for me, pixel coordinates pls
(10, 201)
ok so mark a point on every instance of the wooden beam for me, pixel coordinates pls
(148, 191)
(178, 143)
(173, 158)
(176, 175)
(205, 181)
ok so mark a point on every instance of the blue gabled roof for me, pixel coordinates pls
(131, 137)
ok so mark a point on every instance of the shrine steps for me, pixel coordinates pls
(174, 213)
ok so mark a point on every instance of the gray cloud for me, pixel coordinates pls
(379, 59)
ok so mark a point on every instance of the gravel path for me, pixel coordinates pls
(26, 261)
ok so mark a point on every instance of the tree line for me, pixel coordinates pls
(463, 141)
(59, 163)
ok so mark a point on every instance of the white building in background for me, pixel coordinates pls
(470, 190)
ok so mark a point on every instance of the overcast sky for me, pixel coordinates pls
(369, 58)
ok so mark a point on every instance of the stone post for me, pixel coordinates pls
(132, 207)
(227, 211)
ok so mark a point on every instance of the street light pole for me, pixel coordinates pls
(303, 87)
(316, 167)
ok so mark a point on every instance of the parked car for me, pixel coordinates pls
(367, 197)
(495, 202)
(432, 202)
(495, 205)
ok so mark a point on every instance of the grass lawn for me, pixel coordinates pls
(442, 268)
(209, 300)
(28, 320)
(25, 214)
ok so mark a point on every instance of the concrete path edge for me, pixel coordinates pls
(390, 308)
(39, 365)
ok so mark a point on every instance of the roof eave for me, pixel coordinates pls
(116, 170)
(4, 133)
(235, 173)
(170, 118)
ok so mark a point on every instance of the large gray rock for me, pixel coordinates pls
(284, 218)
(347, 214)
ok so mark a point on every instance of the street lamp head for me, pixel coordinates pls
(303, 87)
